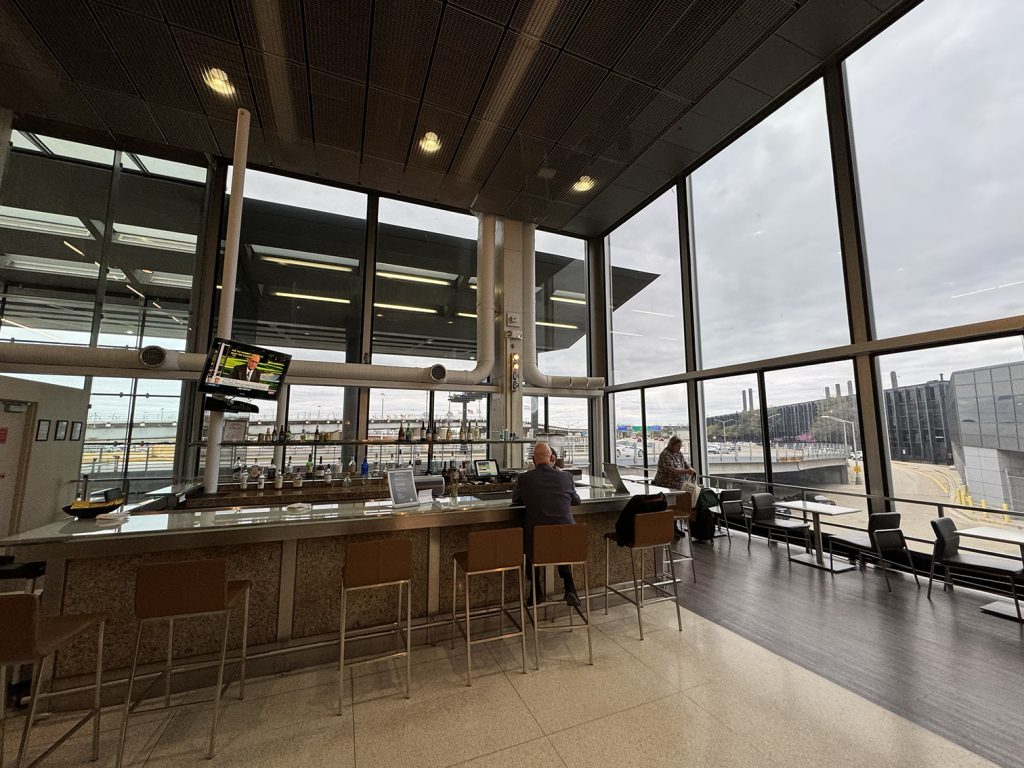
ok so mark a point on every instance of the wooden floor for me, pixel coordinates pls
(941, 663)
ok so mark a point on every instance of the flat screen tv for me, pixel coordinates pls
(243, 370)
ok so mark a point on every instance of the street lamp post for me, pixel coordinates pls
(853, 426)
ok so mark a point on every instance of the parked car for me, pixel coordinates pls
(856, 455)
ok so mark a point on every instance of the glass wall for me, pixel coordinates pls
(768, 269)
(666, 417)
(936, 109)
(627, 428)
(561, 275)
(732, 427)
(646, 294)
(425, 288)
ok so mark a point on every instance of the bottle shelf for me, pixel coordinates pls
(413, 443)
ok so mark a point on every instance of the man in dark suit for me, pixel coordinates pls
(547, 493)
(248, 371)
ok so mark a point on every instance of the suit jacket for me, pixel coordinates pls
(547, 494)
(239, 371)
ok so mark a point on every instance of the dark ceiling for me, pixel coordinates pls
(525, 95)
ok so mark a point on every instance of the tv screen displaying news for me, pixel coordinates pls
(234, 368)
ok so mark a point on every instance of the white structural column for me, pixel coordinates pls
(215, 434)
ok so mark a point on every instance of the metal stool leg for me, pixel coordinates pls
(586, 603)
(220, 684)
(167, 666)
(675, 591)
(455, 583)
(636, 592)
(128, 697)
(96, 696)
(245, 645)
(931, 575)
(341, 647)
(37, 669)
(913, 570)
(469, 644)
(3, 709)
(522, 615)
(501, 610)
(536, 631)
(607, 574)
(408, 638)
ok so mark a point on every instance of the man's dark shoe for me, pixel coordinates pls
(572, 599)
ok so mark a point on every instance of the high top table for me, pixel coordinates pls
(1000, 607)
(817, 560)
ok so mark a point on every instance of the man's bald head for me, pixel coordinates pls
(541, 454)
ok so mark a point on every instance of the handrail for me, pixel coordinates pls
(940, 507)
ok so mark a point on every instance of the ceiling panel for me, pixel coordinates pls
(526, 96)
(465, 48)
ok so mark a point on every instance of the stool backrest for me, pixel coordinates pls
(653, 528)
(177, 589)
(624, 524)
(381, 561)
(18, 638)
(684, 505)
(500, 548)
(559, 544)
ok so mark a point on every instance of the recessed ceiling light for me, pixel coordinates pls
(148, 271)
(285, 262)
(406, 308)
(469, 315)
(412, 278)
(73, 248)
(585, 184)
(329, 299)
(217, 81)
(558, 325)
(430, 143)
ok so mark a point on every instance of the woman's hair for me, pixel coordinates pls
(675, 440)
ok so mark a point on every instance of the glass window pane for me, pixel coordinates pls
(561, 273)
(666, 417)
(947, 442)
(732, 429)
(300, 267)
(768, 268)
(569, 430)
(812, 419)
(627, 432)
(77, 151)
(936, 114)
(424, 295)
(646, 294)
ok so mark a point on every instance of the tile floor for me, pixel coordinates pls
(700, 697)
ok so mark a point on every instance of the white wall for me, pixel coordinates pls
(53, 465)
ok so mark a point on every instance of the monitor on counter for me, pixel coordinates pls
(486, 469)
(402, 486)
(243, 370)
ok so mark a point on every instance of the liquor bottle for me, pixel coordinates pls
(316, 435)
(401, 431)
(433, 432)
(303, 437)
(364, 470)
(273, 435)
(423, 430)
(309, 465)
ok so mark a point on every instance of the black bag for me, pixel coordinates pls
(625, 524)
(702, 524)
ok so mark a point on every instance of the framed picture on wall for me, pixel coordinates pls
(76, 430)
(43, 429)
(61, 432)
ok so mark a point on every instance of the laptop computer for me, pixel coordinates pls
(611, 474)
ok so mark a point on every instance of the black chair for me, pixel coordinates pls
(947, 554)
(762, 514)
(888, 541)
(730, 509)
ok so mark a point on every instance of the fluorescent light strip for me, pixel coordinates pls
(76, 250)
(404, 308)
(566, 300)
(470, 315)
(136, 292)
(412, 278)
(559, 325)
(648, 312)
(328, 299)
(300, 263)
(625, 333)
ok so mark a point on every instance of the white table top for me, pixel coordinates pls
(816, 508)
(991, 533)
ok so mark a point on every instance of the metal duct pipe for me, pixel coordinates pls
(485, 266)
(531, 373)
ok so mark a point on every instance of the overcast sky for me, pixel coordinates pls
(938, 101)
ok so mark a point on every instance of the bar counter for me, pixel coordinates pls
(294, 559)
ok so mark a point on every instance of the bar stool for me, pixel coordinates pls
(368, 565)
(28, 638)
(560, 545)
(494, 551)
(651, 531)
(169, 591)
(27, 572)
(681, 513)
